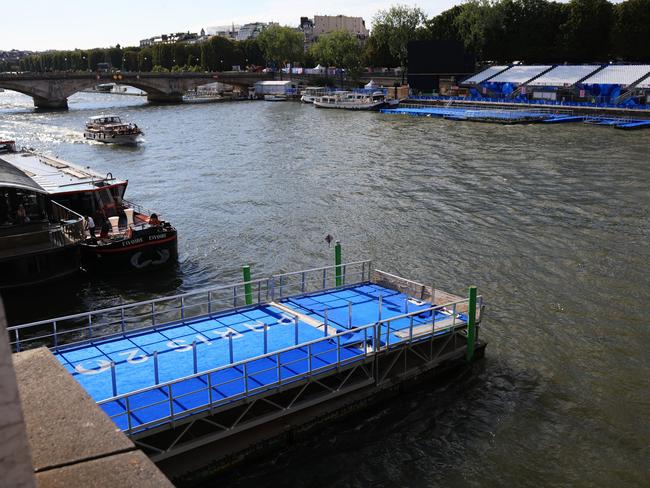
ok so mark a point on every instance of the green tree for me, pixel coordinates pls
(340, 49)
(145, 59)
(586, 34)
(379, 55)
(281, 45)
(252, 52)
(631, 31)
(443, 27)
(396, 27)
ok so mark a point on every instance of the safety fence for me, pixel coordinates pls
(88, 326)
(169, 401)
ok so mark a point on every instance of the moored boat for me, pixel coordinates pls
(38, 237)
(111, 130)
(353, 101)
(125, 236)
(311, 93)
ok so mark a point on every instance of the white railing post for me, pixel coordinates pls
(128, 415)
(326, 322)
(155, 368)
(338, 351)
(295, 322)
(113, 378)
(266, 340)
(194, 357)
(54, 332)
(309, 359)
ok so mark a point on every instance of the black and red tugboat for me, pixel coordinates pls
(124, 237)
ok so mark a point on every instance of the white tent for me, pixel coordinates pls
(371, 84)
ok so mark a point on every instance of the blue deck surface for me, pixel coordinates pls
(243, 329)
(466, 113)
(364, 301)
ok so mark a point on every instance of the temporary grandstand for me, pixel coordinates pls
(565, 75)
(484, 75)
(520, 74)
(622, 75)
(612, 85)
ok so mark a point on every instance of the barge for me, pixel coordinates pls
(38, 237)
(125, 237)
(188, 377)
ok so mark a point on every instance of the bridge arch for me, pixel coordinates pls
(51, 90)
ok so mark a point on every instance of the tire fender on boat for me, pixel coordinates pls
(163, 257)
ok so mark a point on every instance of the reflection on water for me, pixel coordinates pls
(551, 222)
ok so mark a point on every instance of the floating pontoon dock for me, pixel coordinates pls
(179, 372)
(509, 115)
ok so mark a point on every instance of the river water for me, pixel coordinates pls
(552, 223)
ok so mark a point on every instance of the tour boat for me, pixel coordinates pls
(111, 129)
(126, 238)
(353, 101)
(311, 93)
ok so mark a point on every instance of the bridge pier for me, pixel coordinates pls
(165, 97)
(51, 104)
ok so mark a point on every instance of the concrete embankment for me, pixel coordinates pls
(52, 434)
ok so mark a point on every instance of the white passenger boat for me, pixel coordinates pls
(353, 101)
(111, 129)
(311, 93)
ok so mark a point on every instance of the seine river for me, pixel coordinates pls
(551, 222)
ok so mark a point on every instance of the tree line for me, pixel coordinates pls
(531, 31)
(535, 31)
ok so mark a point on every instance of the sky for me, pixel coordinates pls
(39, 25)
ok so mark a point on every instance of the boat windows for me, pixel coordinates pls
(18, 207)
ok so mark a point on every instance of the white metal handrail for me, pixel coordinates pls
(263, 290)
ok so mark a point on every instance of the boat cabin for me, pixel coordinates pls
(104, 120)
(37, 236)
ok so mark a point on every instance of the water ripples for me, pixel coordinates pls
(551, 222)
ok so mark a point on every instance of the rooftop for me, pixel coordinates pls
(54, 175)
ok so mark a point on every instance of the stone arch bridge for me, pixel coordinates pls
(51, 90)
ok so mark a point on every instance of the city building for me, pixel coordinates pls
(227, 31)
(307, 28)
(188, 37)
(252, 30)
(329, 23)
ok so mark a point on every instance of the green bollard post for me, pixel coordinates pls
(337, 260)
(471, 323)
(248, 288)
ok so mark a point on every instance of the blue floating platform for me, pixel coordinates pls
(145, 377)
